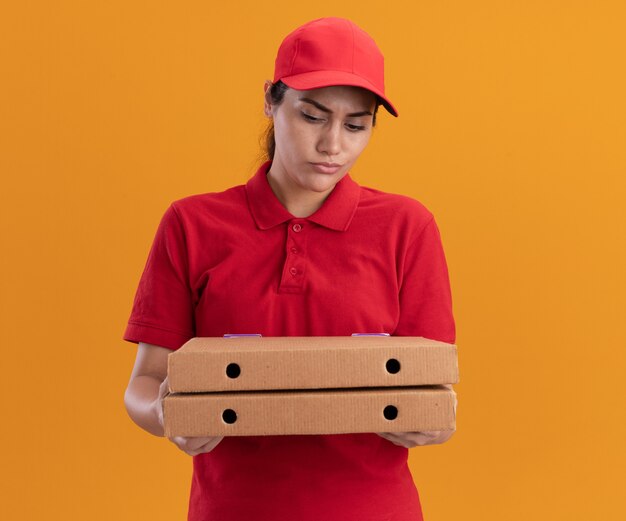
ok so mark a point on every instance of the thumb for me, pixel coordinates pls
(164, 390)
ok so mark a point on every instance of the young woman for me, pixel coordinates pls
(299, 250)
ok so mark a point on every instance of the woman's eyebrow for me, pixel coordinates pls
(326, 109)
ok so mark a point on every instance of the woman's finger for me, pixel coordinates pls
(210, 445)
(196, 445)
(411, 439)
(393, 438)
(163, 391)
(422, 438)
(164, 388)
(189, 443)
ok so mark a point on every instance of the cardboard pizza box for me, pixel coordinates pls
(310, 412)
(209, 364)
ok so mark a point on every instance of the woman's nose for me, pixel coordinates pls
(329, 142)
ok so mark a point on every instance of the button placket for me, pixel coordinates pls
(295, 259)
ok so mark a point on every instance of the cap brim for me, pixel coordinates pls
(319, 79)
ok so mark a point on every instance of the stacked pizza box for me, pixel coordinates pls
(252, 385)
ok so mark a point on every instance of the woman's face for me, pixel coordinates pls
(319, 135)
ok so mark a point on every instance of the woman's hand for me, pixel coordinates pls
(413, 439)
(189, 445)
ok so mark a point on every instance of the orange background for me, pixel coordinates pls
(512, 130)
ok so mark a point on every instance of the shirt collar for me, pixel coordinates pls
(335, 213)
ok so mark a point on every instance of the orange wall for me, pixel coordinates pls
(512, 130)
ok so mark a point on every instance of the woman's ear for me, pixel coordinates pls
(267, 109)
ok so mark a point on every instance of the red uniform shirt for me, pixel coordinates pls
(239, 262)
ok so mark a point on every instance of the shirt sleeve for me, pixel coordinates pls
(425, 296)
(162, 312)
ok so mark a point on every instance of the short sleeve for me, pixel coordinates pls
(162, 312)
(425, 296)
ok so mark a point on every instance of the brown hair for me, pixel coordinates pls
(277, 93)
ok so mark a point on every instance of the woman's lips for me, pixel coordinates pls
(326, 168)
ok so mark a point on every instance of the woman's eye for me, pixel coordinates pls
(308, 117)
(314, 119)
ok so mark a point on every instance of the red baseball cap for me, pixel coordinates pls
(331, 51)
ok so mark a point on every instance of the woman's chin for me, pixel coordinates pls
(321, 187)
(323, 182)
